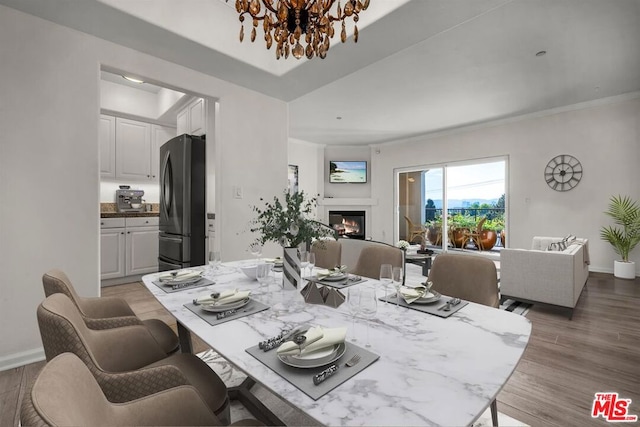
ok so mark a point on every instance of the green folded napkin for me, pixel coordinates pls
(226, 297)
(318, 338)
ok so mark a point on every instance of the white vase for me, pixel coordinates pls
(624, 270)
(291, 268)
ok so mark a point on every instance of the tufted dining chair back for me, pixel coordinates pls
(65, 393)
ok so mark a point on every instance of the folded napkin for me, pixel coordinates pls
(333, 272)
(412, 294)
(276, 261)
(180, 275)
(317, 339)
(226, 297)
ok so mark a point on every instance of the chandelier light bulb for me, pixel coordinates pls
(289, 23)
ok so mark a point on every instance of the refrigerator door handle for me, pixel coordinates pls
(166, 179)
(171, 239)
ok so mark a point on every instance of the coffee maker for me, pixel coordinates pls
(129, 200)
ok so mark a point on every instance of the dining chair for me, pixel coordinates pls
(65, 393)
(414, 230)
(108, 312)
(127, 362)
(475, 236)
(372, 257)
(328, 253)
(469, 277)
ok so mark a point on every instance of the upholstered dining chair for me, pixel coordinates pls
(372, 257)
(108, 312)
(65, 393)
(469, 277)
(328, 253)
(127, 362)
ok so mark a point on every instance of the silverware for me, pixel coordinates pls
(230, 312)
(446, 306)
(320, 377)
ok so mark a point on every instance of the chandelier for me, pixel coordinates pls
(288, 23)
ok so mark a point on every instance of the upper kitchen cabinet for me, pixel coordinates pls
(192, 118)
(107, 139)
(133, 149)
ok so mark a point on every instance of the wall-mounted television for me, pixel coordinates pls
(351, 172)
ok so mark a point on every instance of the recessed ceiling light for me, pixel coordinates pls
(541, 53)
(339, 118)
(131, 79)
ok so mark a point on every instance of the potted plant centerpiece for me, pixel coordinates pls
(289, 224)
(624, 238)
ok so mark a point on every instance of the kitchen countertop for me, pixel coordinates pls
(128, 214)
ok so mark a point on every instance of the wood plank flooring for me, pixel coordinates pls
(565, 364)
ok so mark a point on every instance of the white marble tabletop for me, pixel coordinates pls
(431, 371)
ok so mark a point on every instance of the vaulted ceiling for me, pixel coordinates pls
(420, 66)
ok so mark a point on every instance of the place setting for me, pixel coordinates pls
(220, 307)
(425, 299)
(315, 359)
(178, 280)
(336, 277)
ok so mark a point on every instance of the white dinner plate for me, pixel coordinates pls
(432, 296)
(224, 307)
(315, 359)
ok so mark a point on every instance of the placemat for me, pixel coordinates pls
(212, 318)
(352, 280)
(303, 378)
(428, 308)
(178, 287)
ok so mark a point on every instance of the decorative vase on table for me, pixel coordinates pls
(291, 268)
(289, 224)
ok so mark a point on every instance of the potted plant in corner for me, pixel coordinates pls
(625, 235)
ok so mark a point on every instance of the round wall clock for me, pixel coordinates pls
(563, 172)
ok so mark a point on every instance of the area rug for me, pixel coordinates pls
(287, 413)
(517, 307)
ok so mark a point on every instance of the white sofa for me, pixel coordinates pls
(547, 276)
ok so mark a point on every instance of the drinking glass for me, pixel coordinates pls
(304, 261)
(256, 250)
(311, 261)
(397, 282)
(262, 274)
(214, 260)
(353, 303)
(368, 307)
(386, 276)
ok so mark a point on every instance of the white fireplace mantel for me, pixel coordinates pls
(341, 201)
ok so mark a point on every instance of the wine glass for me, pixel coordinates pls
(397, 282)
(214, 260)
(304, 262)
(386, 276)
(256, 250)
(353, 303)
(311, 261)
(368, 307)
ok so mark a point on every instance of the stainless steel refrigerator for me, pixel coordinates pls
(182, 203)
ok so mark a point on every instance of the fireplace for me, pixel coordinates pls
(348, 223)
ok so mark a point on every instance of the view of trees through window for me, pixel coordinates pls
(475, 204)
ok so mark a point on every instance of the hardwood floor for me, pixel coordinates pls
(565, 364)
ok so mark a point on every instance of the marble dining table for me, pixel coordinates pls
(431, 370)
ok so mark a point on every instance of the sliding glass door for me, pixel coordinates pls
(467, 199)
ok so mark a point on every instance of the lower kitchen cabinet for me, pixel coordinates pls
(130, 250)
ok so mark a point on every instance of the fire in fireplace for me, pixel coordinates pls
(348, 223)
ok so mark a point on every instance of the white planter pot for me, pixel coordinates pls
(624, 270)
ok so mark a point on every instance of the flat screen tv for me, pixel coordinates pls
(347, 172)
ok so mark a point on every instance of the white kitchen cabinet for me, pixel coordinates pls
(128, 247)
(133, 149)
(159, 135)
(192, 119)
(107, 140)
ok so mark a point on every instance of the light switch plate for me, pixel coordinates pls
(237, 192)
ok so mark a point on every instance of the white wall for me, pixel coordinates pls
(604, 136)
(308, 157)
(49, 166)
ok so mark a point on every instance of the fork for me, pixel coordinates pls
(353, 361)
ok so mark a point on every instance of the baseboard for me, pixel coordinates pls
(23, 358)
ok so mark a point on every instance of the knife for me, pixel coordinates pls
(318, 378)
